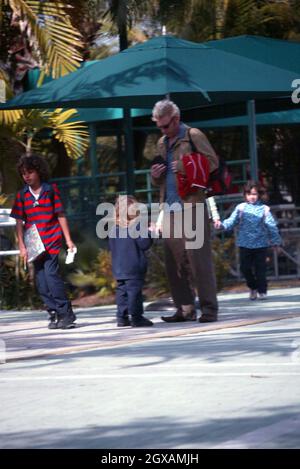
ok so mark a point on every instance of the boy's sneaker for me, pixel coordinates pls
(67, 322)
(253, 295)
(124, 322)
(52, 320)
(141, 322)
(262, 296)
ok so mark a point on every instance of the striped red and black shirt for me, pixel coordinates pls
(43, 214)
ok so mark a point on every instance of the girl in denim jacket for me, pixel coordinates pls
(257, 230)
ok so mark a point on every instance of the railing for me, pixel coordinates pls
(5, 222)
(82, 194)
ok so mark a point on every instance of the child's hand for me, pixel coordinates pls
(277, 249)
(217, 224)
(154, 228)
(23, 253)
(71, 245)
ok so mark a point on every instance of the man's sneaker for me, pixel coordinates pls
(52, 320)
(141, 322)
(262, 296)
(124, 322)
(66, 323)
(253, 295)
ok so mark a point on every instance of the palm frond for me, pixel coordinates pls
(7, 117)
(51, 34)
(74, 135)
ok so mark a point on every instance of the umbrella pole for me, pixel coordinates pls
(252, 139)
(93, 161)
(129, 151)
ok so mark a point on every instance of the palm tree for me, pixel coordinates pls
(202, 20)
(47, 33)
(41, 35)
(124, 14)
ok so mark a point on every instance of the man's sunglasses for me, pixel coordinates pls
(165, 127)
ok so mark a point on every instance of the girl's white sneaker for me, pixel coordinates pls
(253, 295)
(262, 296)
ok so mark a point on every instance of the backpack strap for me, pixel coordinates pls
(193, 146)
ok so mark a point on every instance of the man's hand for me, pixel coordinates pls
(158, 170)
(217, 224)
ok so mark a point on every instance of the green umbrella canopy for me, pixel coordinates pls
(269, 118)
(276, 52)
(88, 115)
(191, 74)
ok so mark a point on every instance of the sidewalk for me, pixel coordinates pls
(26, 336)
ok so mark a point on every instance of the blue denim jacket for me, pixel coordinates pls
(256, 226)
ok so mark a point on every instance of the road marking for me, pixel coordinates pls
(257, 437)
(145, 375)
(121, 341)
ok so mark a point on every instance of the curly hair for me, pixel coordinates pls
(34, 162)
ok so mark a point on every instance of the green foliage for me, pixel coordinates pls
(95, 277)
(17, 288)
(201, 20)
(223, 256)
(156, 276)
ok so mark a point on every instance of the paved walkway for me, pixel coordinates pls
(26, 336)
(230, 384)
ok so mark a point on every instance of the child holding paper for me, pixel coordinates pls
(38, 204)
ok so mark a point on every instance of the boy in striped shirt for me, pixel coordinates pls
(38, 203)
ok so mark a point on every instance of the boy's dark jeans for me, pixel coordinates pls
(253, 267)
(51, 286)
(129, 298)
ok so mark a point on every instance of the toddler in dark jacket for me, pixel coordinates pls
(129, 263)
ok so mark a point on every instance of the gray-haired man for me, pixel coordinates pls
(186, 268)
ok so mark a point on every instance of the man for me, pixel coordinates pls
(186, 268)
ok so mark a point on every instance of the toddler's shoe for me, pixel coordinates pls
(253, 295)
(141, 322)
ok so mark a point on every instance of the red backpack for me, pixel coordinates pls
(196, 176)
(220, 180)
